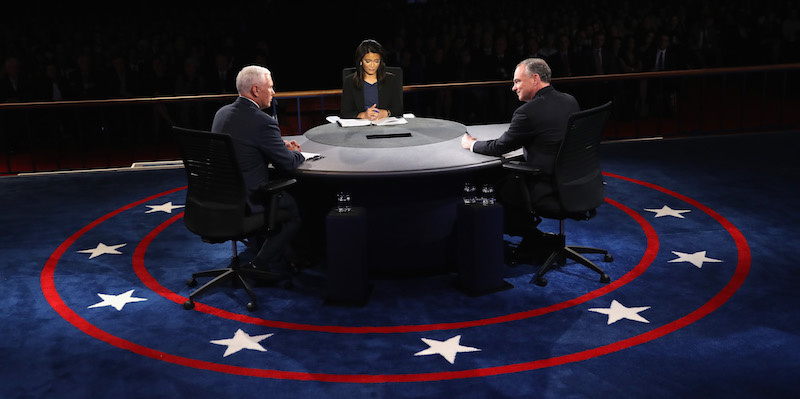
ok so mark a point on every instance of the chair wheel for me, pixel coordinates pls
(605, 279)
(252, 306)
(188, 305)
(192, 282)
(514, 257)
(608, 258)
(541, 281)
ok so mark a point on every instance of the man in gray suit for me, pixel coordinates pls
(258, 143)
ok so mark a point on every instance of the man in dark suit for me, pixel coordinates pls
(596, 60)
(662, 94)
(663, 56)
(14, 83)
(257, 142)
(562, 62)
(221, 78)
(538, 127)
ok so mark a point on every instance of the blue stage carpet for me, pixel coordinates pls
(703, 300)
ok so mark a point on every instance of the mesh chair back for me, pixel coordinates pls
(396, 71)
(347, 71)
(215, 199)
(577, 172)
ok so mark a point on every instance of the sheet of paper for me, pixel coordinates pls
(390, 121)
(365, 122)
(311, 155)
(353, 122)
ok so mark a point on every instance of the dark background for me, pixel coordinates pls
(306, 43)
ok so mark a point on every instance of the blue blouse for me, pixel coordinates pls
(370, 94)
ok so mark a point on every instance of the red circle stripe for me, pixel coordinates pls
(742, 269)
(649, 255)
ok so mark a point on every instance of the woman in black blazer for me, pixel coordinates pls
(371, 92)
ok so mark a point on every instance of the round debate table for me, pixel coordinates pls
(407, 179)
(423, 146)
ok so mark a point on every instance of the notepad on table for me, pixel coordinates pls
(365, 122)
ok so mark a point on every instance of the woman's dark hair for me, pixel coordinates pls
(366, 47)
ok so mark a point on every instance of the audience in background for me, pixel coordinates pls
(152, 54)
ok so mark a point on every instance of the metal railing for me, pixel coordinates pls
(66, 135)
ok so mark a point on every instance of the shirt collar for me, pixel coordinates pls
(251, 100)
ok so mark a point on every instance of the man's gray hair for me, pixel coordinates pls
(537, 66)
(249, 76)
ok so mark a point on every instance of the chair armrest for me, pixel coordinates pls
(522, 167)
(273, 190)
(276, 185)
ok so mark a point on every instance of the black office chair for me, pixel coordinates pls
(579, 188)
(397, 71)
(216, 209)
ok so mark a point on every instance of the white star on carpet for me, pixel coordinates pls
(102, 249)
(618, 311)
(117, 301)
(697, 258)
(167, 208)
(667, 211)
(242, 340)
(448, 349)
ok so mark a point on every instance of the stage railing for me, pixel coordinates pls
(88, 134)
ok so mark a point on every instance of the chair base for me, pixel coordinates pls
(564, 252)
(233, 272)
(558, 255)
